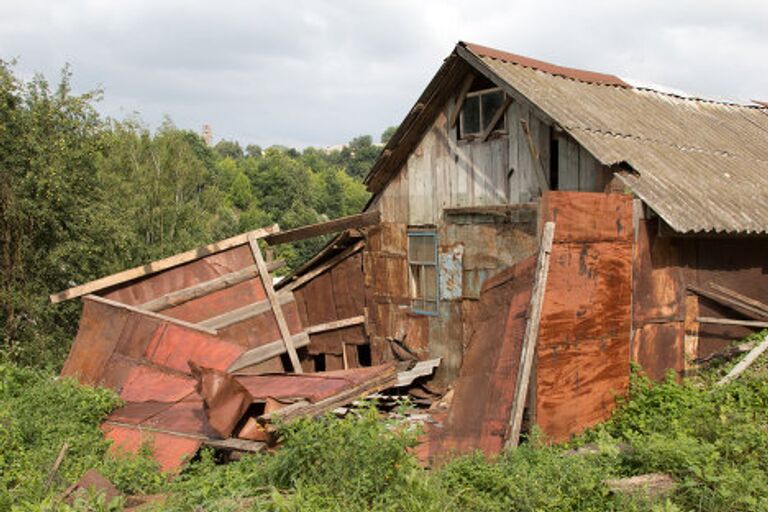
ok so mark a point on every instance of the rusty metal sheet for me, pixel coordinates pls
(204, 269)
(583, 347)
(658, 278)
(171, 451)
(484, 390)
(659, 347)
(312, 387)
(219, 302)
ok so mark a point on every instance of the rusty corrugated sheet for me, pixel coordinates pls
(702, 165)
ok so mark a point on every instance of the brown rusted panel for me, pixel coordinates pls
(417, 335)
(262, 329)
(169, 450)
(588, 216)
(659, 286)
(219, 302)
(583, 346)
(206, 268)
(334, 362)
(484, 390)
(659, 347)
(577, 384)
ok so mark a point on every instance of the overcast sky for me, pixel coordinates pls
(321, 72)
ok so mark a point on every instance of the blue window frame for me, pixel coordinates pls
(423, 272)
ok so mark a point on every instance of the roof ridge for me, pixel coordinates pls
(730, 103)
(580, 75)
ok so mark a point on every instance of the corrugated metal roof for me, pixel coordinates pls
(701, 165)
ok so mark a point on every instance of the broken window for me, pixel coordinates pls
(422, 263)
(478, 112)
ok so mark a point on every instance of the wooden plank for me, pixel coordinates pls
(749, 301)
(356, 221)
(537, 165)
(160, 265)
(336, 324)
(495, 119)
(151, 314)
(178, 297)
(729, 302)
(465, 86)
(266, 352)
(245, 312)
(730, 321)
(745, 363)
(530, 337)
(242, 445)
(325, 266)
(266, 281)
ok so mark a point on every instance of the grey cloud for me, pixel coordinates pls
(321, 72)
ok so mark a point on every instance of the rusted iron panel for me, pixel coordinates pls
(183, 276)
(588, 216)
(583, 346)
(170, 451)
(659, 348)
(262, 329)
(577, 384)
(219, 302)
(484, 390)
(658, 279)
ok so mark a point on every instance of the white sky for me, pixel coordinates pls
(321, 72)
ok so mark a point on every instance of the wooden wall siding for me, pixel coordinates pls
(578, 170)
(336, 294)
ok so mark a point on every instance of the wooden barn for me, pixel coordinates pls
(536, 228)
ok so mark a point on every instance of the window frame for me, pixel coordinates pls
(422, 264)
(462, 135)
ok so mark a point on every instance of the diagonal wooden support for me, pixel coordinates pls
(530, 337)
(266, 280)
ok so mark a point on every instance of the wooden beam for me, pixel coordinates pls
(325, 266)
(159, 265)
(178, 297)
(729, 302)
(336, 324)
(749, 301)
(496, 117)
(465, 86)
(540, 174)
(266, 281)
(242, 445)
(745, 363)
(238, 315)
(730, 321)
(266, 352)
(359, 220)
(530, 337)
(151, 314)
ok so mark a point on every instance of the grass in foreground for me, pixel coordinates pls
(713, 440)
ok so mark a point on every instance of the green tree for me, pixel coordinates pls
(387, 134)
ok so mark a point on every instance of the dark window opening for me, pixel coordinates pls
(554, 163)
(364, 355)
(478, 111)
(319, 362)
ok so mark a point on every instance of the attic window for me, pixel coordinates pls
(422, 263)
(478, 112)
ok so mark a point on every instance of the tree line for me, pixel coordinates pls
(82, 196)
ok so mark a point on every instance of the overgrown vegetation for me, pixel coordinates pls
(82, 196)
(712, 440)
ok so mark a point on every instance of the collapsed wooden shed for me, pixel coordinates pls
(660, 211)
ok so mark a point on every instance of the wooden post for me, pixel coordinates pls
(266, 280)
(530, 337)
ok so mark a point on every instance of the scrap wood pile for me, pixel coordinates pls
(200, 345)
